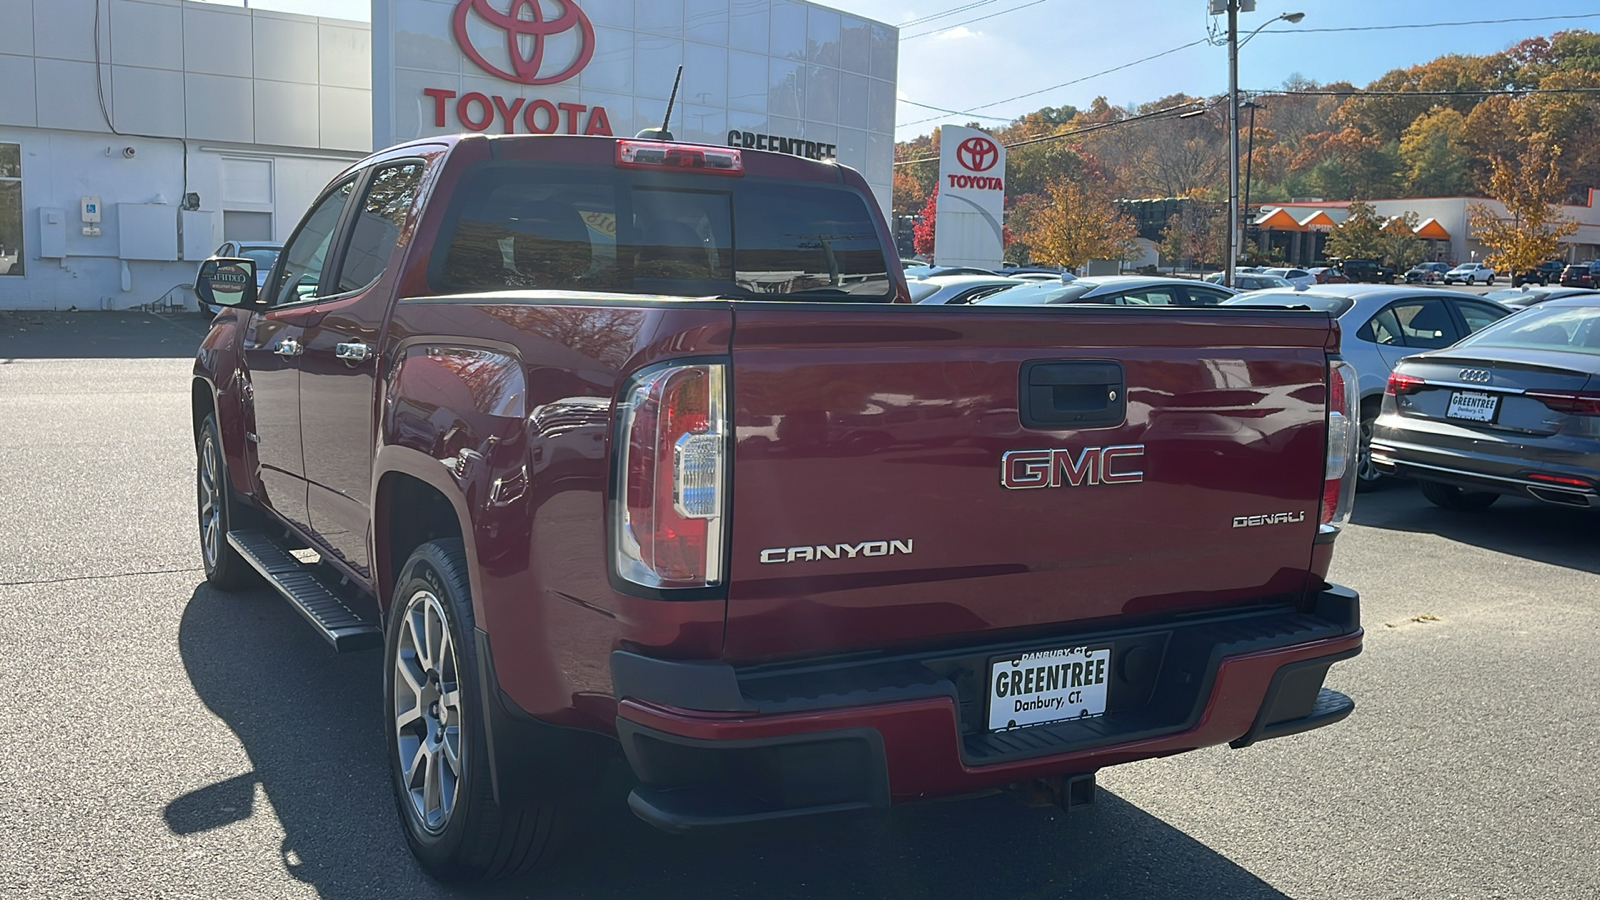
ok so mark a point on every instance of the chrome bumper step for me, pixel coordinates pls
(309, 589)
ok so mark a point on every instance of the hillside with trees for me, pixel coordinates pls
(1442, 128)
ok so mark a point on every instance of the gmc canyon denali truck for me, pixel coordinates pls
(640, 445)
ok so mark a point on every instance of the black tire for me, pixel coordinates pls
(1489, 281)
(1368, 478)
(476, 838)
(225, 569)
(1472, 280)
(1448, 496)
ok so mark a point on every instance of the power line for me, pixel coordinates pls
(968, 112)
(1431, 24)
(912, 37)
(953, 112)
(1098, 126)
(948, 12)
(1459, 92)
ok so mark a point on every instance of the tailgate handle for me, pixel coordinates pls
(1072, 393)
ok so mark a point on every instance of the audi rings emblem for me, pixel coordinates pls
(1475, 376)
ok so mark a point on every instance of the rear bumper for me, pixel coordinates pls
(1501, 472)
(798, 746)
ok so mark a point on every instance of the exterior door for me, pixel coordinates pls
(273, 345)
(1413, 325)
(339, 370)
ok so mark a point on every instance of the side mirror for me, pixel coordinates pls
(229, 282)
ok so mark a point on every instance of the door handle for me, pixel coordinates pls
(288, 347)
(354, 352)
(1072, 393)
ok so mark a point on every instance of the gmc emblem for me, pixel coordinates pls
(1024, 469)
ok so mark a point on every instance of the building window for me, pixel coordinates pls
(11, 257)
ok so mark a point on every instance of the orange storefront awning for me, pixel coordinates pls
(1318, 220)
(1433, 231)
(1279, 219)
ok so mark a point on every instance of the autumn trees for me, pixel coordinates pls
(1077, 225)
(1433, 129)
(1529, 187)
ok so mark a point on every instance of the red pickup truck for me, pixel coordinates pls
(636, 445)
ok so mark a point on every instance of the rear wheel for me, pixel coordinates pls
(1448, 496)
(1489, 281)
(1367, 475)
(438, 744)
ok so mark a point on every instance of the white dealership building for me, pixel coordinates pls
(138, 135)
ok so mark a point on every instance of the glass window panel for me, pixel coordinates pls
(379, 224)
(308, 249)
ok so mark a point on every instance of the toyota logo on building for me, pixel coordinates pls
(526, 19)
(977, 154)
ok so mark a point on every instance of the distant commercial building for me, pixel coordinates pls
(1300, 230)
(137, 135)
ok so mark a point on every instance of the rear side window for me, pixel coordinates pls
(379, 222)
(549, 228)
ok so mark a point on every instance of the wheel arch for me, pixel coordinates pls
(410, 506)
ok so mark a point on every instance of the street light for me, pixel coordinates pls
(1234, 43)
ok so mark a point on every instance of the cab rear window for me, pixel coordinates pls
(539, 227)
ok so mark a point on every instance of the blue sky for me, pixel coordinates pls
(1053, 41)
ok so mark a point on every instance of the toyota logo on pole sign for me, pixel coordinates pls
(523, 53)
(529, 68)
(977, 154)
(972, 194)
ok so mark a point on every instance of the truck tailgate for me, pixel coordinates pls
(868, 503)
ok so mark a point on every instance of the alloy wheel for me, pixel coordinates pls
(1366, 471)
(428, 712)
(210, 502)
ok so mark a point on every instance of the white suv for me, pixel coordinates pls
(1471, 273)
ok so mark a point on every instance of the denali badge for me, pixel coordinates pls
(834, 551)
(1023, 469)
(1282, 518)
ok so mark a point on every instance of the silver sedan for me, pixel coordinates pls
(959, 289)
(1380, 324)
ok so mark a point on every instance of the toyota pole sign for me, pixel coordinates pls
(972, 195)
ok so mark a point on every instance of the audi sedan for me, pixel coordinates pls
(1117, 290)
(1378, 325)
(1511, 410)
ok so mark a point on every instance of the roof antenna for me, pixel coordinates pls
(662, 134)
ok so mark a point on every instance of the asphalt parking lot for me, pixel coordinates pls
(166, 740)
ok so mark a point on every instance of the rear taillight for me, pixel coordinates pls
(668, 515)
(1400, 383)
(1577, 403)
(1583, 484)
(1339, 481)
(659, 155)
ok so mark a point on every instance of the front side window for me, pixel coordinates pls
(379, 223)
(306, 252)
(537, 227)
(11, 256)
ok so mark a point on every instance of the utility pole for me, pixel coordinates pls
(1232, 251)
(1249, 160)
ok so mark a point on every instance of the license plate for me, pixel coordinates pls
(1473, 406)
(1048, 686)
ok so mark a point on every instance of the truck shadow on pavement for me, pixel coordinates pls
(1514, 526)
(309, 720)
(57, 334)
